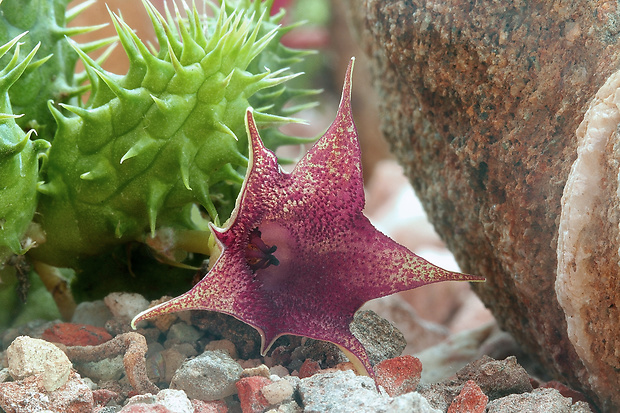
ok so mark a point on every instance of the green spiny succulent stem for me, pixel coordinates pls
(168, 135)
(55, 80)
(19, 166)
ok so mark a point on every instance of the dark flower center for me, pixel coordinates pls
(258, 254)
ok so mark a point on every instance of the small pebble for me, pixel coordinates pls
(147, 398)
(309, 368)
(31, 356)
(125, 305)
(261, 370)
(182, 333)
(105, 396)
(277, 392)
(71, 334)
(94, 313)
(399, 375)
(209, 376)
(175, 400)
(250, 394)
(104, 369)
(471, 399)
(279, 371)
(226, 345)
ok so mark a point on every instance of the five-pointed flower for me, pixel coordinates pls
(298, 256)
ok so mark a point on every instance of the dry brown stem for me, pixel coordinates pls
(132, 345)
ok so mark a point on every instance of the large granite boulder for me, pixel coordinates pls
(505, 116)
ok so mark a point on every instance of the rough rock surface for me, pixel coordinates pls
(379, 337)
(29, 356)
(29, 395)
(481, 102)
(497, 378)
(471, 399)
(343, 391)
(540, 400)
(210, 376)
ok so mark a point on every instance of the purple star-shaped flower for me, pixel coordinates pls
(298, 256)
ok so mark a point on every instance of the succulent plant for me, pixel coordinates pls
(19, 166)
(150, 146)
(54, 78)
(19, 176)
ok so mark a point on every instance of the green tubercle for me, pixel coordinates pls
(54, 78)
(167, 135)
(19, 166)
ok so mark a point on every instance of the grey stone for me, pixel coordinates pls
(210, 376)
(539, 400)
(497, 378)
(440, 395)
(155, 367)
(343, 391)
(94, 313)
(104, 369)
(182, 333)
(125, 306)
(380, 338)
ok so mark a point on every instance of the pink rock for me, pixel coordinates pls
(250, 396)
(217, 406)
(471, 399)
(28, 395)
(71, 334)
(102, 397)
(308, 368)
(399, 375)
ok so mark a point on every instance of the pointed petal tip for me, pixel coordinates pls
(215, 228)
(171, 306)
(348, 80)
(140, 317)
(475, 278)
(256, 144)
